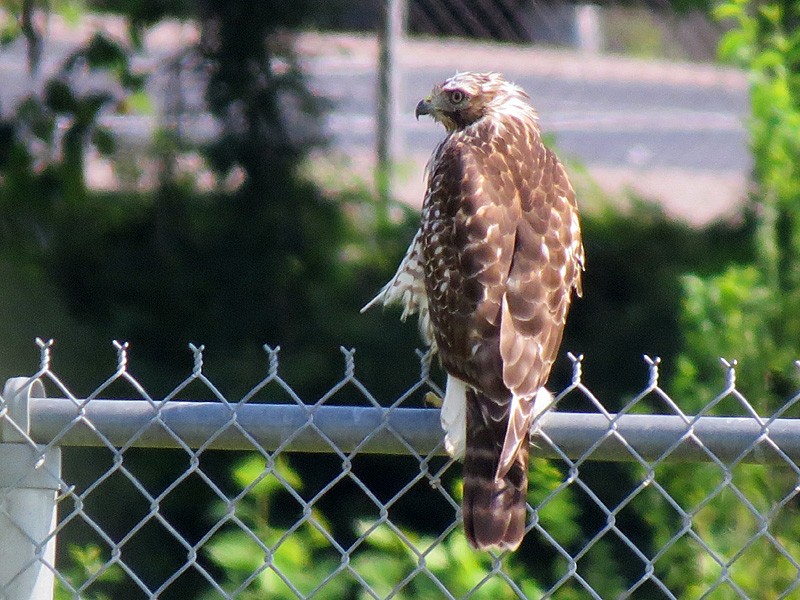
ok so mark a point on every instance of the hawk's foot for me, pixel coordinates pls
(433, 400)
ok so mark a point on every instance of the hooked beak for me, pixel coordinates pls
(425, 107)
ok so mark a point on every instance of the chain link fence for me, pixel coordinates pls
(276, 496)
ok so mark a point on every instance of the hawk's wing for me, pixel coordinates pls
(546, 266)
(517, 239)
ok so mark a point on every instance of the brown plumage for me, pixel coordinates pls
(500, 253)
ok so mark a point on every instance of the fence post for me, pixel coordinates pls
(29, 480)
(390, 35)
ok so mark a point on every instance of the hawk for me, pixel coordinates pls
(491, 273)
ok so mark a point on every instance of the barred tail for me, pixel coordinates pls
(494, 510)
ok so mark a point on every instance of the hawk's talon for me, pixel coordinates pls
(433, 400)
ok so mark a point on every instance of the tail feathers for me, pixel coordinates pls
(494, 509)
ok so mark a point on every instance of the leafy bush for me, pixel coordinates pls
(260, 559)
(749, 312)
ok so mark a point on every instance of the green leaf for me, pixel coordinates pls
(71, 11)
(140, 103)
(89, 106)
(40, 122)
(132, 81)
(381, 537)
(771, 12)
(768, 59)
(236, 551)
(734, 46)
(102, 53)
(9, 31)
(729, 10)
(58, 97)
(104, 141)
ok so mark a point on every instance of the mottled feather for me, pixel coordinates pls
(501, 253)
(493, 267)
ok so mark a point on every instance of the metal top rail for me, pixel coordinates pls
(314, 428)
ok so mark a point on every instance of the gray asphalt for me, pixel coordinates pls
(611, 123)
(614, 122)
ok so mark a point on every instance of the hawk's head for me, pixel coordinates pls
(467, 97)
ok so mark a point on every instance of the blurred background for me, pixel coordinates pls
(234, 181)
(246, 173)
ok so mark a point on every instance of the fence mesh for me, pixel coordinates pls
(148, 507)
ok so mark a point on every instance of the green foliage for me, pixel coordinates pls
(275, 260)
(731, 522)
(633, 279)
(729, 315)
(253, 552)
(157, 269)
(255, 555)
(749, 312)
(90, 575)
(388, 562)
(766, 41)
(43, 192)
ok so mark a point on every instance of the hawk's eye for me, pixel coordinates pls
(456, 96)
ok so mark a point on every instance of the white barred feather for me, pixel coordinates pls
(407, 289)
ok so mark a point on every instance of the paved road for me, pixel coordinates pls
(616, 123)
(671, 132)
(620, 116)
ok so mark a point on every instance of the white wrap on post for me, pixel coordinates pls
(29, 482)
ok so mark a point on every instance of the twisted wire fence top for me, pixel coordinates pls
(343, 496)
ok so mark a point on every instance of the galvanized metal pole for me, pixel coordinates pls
(29, 479)
(589, 28)
(366, 429)
(388, 141)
